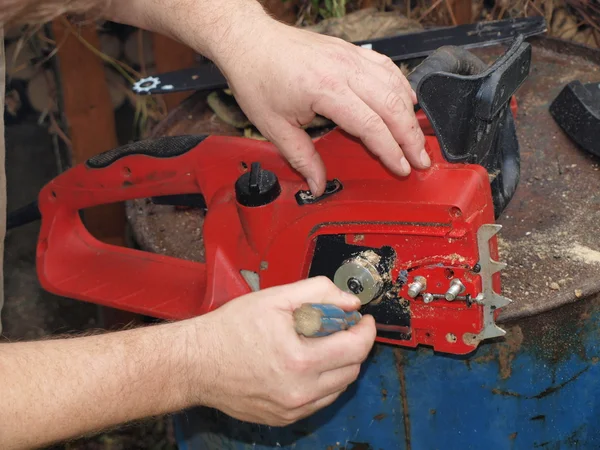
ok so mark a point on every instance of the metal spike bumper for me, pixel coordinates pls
(491, 300)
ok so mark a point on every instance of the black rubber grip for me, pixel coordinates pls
(496, 91)
(163, 147)
(447, 59)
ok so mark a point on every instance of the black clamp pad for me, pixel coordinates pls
(577, 111)
(471, 117)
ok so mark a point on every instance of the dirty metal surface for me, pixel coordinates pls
(550, 228)
(164, 229)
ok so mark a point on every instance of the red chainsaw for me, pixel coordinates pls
(420, 252)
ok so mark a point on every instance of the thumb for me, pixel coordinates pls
(298, 148)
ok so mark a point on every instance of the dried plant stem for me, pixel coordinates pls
(429, 10)
(55, 128)
(122, 68)
(536, 7)
(449, 7)
(590, 21)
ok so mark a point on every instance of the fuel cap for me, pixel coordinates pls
(258, 187)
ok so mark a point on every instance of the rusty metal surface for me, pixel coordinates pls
(550, 229)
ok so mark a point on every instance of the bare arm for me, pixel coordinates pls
(244, 359)
(58, 389)
(211, 27)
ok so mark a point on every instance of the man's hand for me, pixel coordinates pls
(244, 358)
(283, 76)
(262, 370)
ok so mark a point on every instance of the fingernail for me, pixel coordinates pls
(405, 166)
(425, 158)
(312, 185)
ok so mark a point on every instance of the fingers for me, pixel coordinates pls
(331, 386)
(386, 63)
(344, 348)
(317, 290)
(393, 103)
(326, 401)
(352, 114)
(393, 99)
(297, 147)
(337, 380)
(317, 405)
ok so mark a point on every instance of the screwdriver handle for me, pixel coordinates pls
(316, 319)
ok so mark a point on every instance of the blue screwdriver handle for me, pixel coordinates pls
(317, 319)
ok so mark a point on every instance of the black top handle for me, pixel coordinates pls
(468, 106)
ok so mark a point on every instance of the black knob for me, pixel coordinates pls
(257, 188)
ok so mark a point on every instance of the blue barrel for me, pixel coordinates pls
(538, 387)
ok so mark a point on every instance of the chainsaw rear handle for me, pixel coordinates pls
(70, 260)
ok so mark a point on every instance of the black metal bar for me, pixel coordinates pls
(399, 48)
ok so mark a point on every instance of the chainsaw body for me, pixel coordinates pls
(419, 252)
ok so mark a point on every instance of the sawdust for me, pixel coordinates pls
(548, 260)
(544, 246)
(585, 254)
(372, 257)
(455, 258)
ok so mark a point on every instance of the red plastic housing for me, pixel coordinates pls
(430, 218)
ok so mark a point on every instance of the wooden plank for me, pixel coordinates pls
(462, 11)
(90, 117)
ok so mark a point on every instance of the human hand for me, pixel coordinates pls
(261, 370)
(283, 76)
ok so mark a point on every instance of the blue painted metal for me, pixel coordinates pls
(537, 388)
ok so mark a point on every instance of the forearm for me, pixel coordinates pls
(58, 389)
(208, 26)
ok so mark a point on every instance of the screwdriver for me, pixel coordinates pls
(316, 319)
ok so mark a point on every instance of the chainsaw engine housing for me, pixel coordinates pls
(419, 252)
